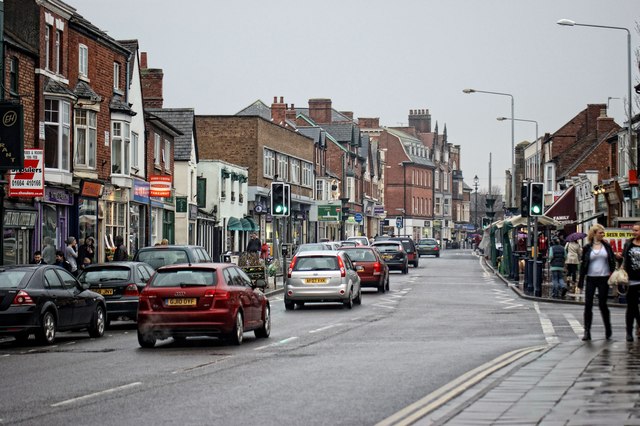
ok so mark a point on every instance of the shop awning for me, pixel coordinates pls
(234, 224)
(246, 225)
(254, 225)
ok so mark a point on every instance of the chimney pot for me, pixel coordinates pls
(275, 99)
(281, 99)
(143, 60)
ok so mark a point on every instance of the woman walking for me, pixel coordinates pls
(631, 264)
(598, 262)
(574, 253)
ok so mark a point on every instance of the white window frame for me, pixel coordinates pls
(58, 52)
(83, 60)
(351, 188)
(436, 178)
(295, 170)
(47, 46)
(268, 163)
(307, 174)
(320, 189)
(86, 138)
(135, 143)
(63, 124)
(116, 76)
(156, 150)
(283, 167)
(166, 156)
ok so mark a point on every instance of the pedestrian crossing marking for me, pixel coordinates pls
(575, 324)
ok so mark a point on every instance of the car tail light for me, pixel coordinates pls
(343, 270)
(436, 248)
(219, 294)
(131, 290)
(377, 268)
(291, 265)
(22, 298)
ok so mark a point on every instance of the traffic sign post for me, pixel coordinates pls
(399, 222)
(357, 217)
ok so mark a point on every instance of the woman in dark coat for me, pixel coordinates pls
(631, 263)
(598, 262)
(121, 251)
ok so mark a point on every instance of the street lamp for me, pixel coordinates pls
(539, 160)
(475, 184)
(404, 194)
(513, 150)
(570, 23)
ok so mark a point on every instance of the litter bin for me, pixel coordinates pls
(528, 276)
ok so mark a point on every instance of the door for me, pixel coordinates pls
(254, 296)
(82, 302)
(60, 296)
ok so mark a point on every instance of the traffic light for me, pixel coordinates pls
(280, 199)
(536, 199)
(524, 199)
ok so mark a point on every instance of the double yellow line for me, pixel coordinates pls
(441, 396)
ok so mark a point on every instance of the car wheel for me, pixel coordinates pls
(387, 285)
(47, 333)
(405, 269)
(437, 255)
(299, 304)
(349, 302)
(415, 264)
(237, 334)
(146, 340)
(265, 330)
(289, 305)
(358, 300)
(96, 329)
(381, 287)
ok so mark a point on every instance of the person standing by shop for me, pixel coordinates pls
(254, 246)
(631, 264)
(87, 250)
(120, 254)
(556, 263)
(598, 262)
(70, 254)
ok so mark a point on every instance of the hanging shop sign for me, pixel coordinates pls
(160, 185)
(28, 182)
(12, 152)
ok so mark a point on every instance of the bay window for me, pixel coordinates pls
(57, 129)
(85, 138)
(120, 146)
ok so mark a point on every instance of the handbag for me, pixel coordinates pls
(619, 277)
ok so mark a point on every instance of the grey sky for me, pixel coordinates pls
(381, 58)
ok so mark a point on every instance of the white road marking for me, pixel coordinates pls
(575, 324)
(503, 299)
(281, 342)
(547, 327)
(95, 394)
(5, 355)
(324, 328)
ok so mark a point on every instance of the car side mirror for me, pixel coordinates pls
(83, 286)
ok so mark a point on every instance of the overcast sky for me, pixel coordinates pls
(381, 58)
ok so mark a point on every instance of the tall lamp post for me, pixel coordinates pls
(539, 160)
(404, 195)
(570, 23)
(513, 151)
(475, 184)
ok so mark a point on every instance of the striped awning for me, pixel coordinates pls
(253, 224)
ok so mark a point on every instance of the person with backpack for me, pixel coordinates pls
(556, 262)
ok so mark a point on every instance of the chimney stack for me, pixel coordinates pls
(278, 111)
(320, 110)
(151, 80)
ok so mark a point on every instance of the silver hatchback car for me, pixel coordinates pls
(322, 276)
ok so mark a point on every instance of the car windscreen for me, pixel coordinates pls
(407, 246)
(361, 255)
(14, 279)
(316, 263)
(163, 257)
(185, 278)
(107, 274)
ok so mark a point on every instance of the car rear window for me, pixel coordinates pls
(316, 263)
(163, 257)
(364, 255)
(13, 279)
(387, 247)
(94, 276)
(312, 247)
(428, 241)
(185, 278)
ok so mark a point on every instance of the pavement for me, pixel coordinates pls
(566, 383)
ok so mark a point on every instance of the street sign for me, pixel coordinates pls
(358, 217)
(399, 222)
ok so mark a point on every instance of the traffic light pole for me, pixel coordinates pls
(537, 291)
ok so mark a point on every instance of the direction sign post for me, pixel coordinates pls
(358, 217)
(399, 222)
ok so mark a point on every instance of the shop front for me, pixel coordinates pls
(138, 211)
(90, 193)
(54, 210)
(115, 216)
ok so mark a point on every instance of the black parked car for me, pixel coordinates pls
(120, 283)
(45, 299)
(160, 255)
(393, 254)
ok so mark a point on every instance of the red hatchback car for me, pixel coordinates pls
(374, 271)
(204, 299)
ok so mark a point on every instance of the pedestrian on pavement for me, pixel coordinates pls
(87, 249)
(60, 261)
(49, 251)
(556, 263)
(120, 254)
(254, 246)
(71, 255)
(37, 258)
(631, 264)
(598, 262)
(574, 253)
